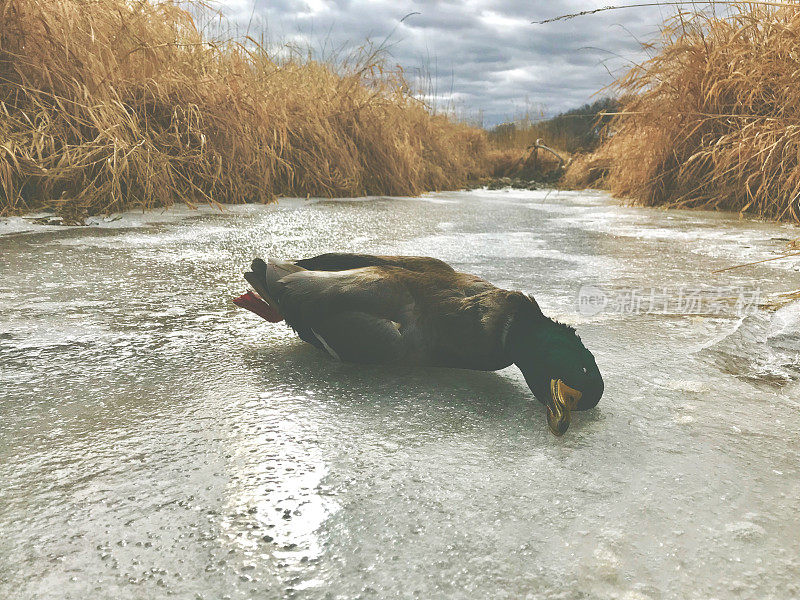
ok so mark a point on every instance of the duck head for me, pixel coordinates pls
(558, 368)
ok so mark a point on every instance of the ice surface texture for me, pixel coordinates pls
(155, 439)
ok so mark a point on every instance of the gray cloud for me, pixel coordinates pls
(484, 55)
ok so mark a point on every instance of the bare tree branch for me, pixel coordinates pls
(645, 4)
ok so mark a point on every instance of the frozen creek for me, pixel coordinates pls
(155, 441)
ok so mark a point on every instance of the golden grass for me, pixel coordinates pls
(586, 171)
(714, 119)
(521, 134)
(530, 164)
(779, 300)
(113, 104)
(577, 130)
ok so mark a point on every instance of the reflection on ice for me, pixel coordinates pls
(276, 484)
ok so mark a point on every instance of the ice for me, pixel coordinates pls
(157, 441)
(762, 346)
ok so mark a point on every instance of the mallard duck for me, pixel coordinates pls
(419, 310)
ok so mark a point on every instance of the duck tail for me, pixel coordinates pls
(263, 276)
(278, 269)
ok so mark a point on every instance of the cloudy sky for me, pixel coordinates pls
(484, 56)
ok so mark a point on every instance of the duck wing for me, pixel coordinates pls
(355, 315)
(341, 261)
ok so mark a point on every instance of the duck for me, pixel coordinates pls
(417, 310)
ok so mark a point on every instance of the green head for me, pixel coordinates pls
(560, 371)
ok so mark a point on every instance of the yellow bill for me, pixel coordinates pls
(563, 400)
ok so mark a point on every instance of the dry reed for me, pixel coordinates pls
(586, 171)
(714, 119)
(523, 133)
(531, 164)
(577, 130)
(113, 104)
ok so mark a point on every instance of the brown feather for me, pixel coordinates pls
(413, 310)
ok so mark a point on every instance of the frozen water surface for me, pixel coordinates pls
(156, 441)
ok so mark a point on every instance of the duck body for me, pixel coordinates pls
(418, 311)
(392, 309)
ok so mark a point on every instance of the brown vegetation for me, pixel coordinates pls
(587, 171)
(113, 104)
(577, 130)
(530, 164)
(714, 117)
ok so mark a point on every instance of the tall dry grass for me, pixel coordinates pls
(579, 130)
(714, 118)
(530, 164)
(523, 133)
(113, 104)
